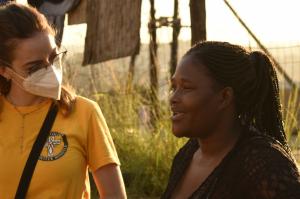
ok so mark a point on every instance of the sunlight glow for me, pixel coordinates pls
(272, 21)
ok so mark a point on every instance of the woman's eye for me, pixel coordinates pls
(187, 87)
(35, 68)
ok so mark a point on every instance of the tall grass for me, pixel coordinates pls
(291, 116)
(145, 153)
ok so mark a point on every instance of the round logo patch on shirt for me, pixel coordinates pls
(56, 146)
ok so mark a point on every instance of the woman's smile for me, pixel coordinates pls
(177, 116)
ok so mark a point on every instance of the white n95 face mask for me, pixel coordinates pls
(45, 82)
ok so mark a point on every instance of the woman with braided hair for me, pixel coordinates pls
(226, 100)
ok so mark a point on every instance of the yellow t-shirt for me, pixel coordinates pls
(75, 143)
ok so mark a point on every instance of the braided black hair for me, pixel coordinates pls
(253, 79)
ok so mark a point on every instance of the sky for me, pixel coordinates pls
(273, 21)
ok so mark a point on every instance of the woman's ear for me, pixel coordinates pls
(4, 73)
(226, 97)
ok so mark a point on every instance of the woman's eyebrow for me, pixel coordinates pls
(40, 61)
(185, 79)
(182, 79)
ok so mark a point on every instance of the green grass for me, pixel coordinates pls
(291, 112)
(291, 117)
(145, 153)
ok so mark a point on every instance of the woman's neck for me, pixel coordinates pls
(221, 141)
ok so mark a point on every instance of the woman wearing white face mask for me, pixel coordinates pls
(35, 106)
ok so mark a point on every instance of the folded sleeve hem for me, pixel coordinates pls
(104, 162)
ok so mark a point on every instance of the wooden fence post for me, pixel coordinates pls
(198, 20)
(174, 44)
(153, 65)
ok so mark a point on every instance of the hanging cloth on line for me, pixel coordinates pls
(5, 1)
(113, 30)
(78, 14)
(54, 11)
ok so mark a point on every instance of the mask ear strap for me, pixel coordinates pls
(2, 72)
(15, 74)
(12, 72)
(18, 83)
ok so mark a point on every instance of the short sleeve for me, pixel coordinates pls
(100, 147)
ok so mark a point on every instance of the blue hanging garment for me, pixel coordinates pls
(54, 11)
(38, 3)
(4, 1)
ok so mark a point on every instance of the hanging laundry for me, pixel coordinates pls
(54, 11)
(113, 30)
(35, 3)
(78, 15)
(38, 3)
(4, 1)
